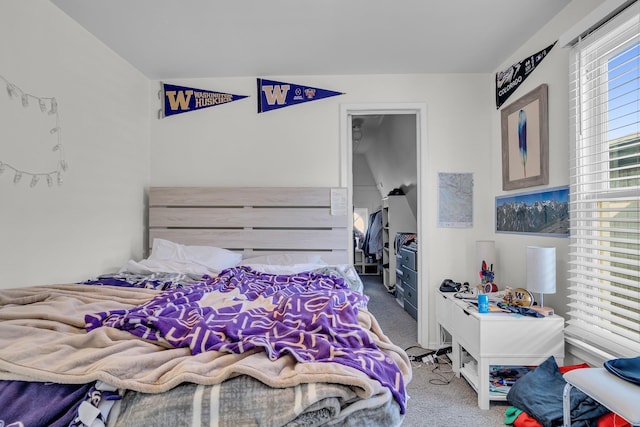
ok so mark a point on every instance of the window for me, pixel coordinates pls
(604, 253)
(360, 218)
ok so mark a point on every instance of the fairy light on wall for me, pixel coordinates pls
(48, 106)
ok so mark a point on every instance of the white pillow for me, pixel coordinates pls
(283, 269)
(149, 266)
(284, 259)
(211, 257)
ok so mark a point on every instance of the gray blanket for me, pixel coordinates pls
(244, 401)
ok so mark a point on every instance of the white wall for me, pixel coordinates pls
(395, 158)
(93, 222)
(553, 71)
(300, 146)
(393, 152)
(365, 192)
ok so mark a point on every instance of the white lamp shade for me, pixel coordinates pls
(541, 269)
(485, 251)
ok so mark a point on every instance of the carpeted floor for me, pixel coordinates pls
(436, 397)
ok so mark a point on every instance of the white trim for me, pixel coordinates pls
(595, 19)
(585, 352)
(347, 111)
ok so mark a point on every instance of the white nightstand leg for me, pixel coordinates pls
(456, 356)
(483, 384)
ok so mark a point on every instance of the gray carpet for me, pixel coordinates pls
(436, 397)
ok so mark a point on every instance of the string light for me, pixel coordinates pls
(49, 106)
(54, 107)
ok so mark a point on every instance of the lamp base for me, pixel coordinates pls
(545, 311)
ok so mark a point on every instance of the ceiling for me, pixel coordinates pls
(216, 38)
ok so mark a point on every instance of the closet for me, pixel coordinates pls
(385, 144)
(384, 179)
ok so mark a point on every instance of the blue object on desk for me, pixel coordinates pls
(483, 303)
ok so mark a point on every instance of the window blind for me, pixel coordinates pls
(604, 251)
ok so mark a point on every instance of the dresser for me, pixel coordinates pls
(407, 273)
(482, 340)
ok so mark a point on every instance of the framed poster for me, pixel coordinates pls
(525, 141)
(543, 213)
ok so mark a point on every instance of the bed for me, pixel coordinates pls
(245, 311)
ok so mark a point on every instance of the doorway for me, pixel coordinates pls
(347, 115)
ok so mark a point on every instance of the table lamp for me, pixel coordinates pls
(541, 274)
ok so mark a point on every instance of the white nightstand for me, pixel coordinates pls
(480, 341)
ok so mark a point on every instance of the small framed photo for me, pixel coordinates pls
(542, 213)
(525, 141)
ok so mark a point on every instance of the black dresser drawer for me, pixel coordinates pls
(409, 258)
(410, 295)
(411, 309)
(410, 276)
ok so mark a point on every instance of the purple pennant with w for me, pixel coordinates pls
(273, 94)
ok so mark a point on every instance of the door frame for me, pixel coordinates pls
(347, 111)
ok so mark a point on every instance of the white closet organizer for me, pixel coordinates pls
(362, 265)
(397, 217)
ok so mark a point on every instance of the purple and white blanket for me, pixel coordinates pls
(311, 316)
(27, 404)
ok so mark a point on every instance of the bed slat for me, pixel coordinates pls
(244, 217)
(244, 196)
(253, 220)
(256, 239)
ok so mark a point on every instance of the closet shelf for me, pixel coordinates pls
(397, 217)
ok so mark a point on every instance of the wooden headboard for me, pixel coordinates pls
(253, 220)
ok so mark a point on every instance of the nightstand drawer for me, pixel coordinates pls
(409, 258)
(467, 327)
(410, 276)
(444, 311)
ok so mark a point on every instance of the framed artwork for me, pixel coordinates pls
(525, 141)
(543, 213)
